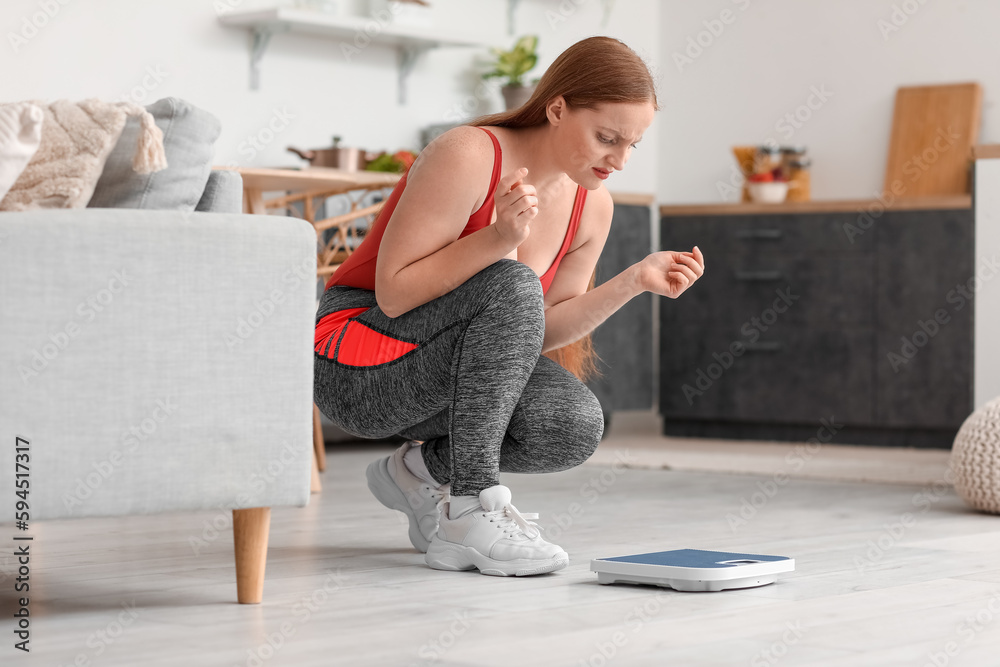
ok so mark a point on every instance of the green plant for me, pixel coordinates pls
(514, 64)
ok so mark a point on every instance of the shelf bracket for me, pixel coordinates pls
(607, 5)
(406, 57)
(261, 38)
(511, 13)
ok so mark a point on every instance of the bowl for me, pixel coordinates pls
(773, 192)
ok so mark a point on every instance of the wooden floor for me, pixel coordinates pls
(886, 574)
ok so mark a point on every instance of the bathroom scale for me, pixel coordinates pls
(692, 569)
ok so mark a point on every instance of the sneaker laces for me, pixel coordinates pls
(514, 522)
(439, 494)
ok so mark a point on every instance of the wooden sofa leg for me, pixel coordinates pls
(319, 446)
(250, 531)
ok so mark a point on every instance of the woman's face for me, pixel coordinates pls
(594, 143)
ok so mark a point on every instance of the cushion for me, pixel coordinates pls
(189, 136)
(20, 133)
(975, 459)
(76, 140)
(223, 192)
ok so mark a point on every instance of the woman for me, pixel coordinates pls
(480, 262)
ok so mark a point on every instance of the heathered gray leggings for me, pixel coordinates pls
(476, 389)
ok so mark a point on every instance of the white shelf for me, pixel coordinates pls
(356, 32)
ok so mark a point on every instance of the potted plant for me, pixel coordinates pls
(513, 65)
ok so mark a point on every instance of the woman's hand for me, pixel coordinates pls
(516, 205)
(669, 273)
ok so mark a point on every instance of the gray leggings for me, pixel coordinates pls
(476, 389)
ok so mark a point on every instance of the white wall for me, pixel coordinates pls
(106, 48)
(765, 62)
(986, 383)
(761, 66)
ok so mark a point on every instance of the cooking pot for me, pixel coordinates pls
(338, 157)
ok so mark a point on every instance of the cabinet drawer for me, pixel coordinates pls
(785, 234)
(812, 291)
(787, 375)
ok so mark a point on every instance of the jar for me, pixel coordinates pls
(791, 154)
(768, 158)
(798, 179)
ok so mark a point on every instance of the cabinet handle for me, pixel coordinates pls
(753, 276)
(764, 346)
(759, 234)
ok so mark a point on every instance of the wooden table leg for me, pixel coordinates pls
(254, 201)
(250, 532)
(315, 486)
(319, 444)
(309, 212)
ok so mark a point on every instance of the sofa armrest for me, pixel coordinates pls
(157, 360)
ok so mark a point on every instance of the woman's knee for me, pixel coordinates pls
(589, 423)
(512, 285)
(558, 407)
(579, 429)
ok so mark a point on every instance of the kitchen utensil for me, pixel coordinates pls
(933, 130)
(338, 157)
(798, 179)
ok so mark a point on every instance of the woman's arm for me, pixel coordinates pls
(571, 311)
(575, 311)
(570, 320)
(421, 257)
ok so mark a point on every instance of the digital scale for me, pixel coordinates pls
(692, 569)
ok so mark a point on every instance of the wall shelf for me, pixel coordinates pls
(355, 32)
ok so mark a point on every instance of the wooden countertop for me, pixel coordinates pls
(633, 198)
(830, 206)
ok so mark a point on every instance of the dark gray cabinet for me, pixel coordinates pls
(924, 368)
(624, 342)
(798, 318)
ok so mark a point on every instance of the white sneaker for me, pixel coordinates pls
(494, 538)
(397, 488)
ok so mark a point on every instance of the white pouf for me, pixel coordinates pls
(975, 459)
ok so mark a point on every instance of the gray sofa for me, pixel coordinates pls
(158, 361)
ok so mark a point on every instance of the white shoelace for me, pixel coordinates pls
(441, 494)
(514, 522)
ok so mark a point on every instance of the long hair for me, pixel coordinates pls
(593, 71)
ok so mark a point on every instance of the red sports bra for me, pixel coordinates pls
(358, 270)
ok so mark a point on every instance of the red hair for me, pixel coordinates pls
(593, 71)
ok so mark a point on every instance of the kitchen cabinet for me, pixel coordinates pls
(624, 342)
(804, 314)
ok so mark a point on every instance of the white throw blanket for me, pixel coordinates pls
(76, 139)
(20, 133)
